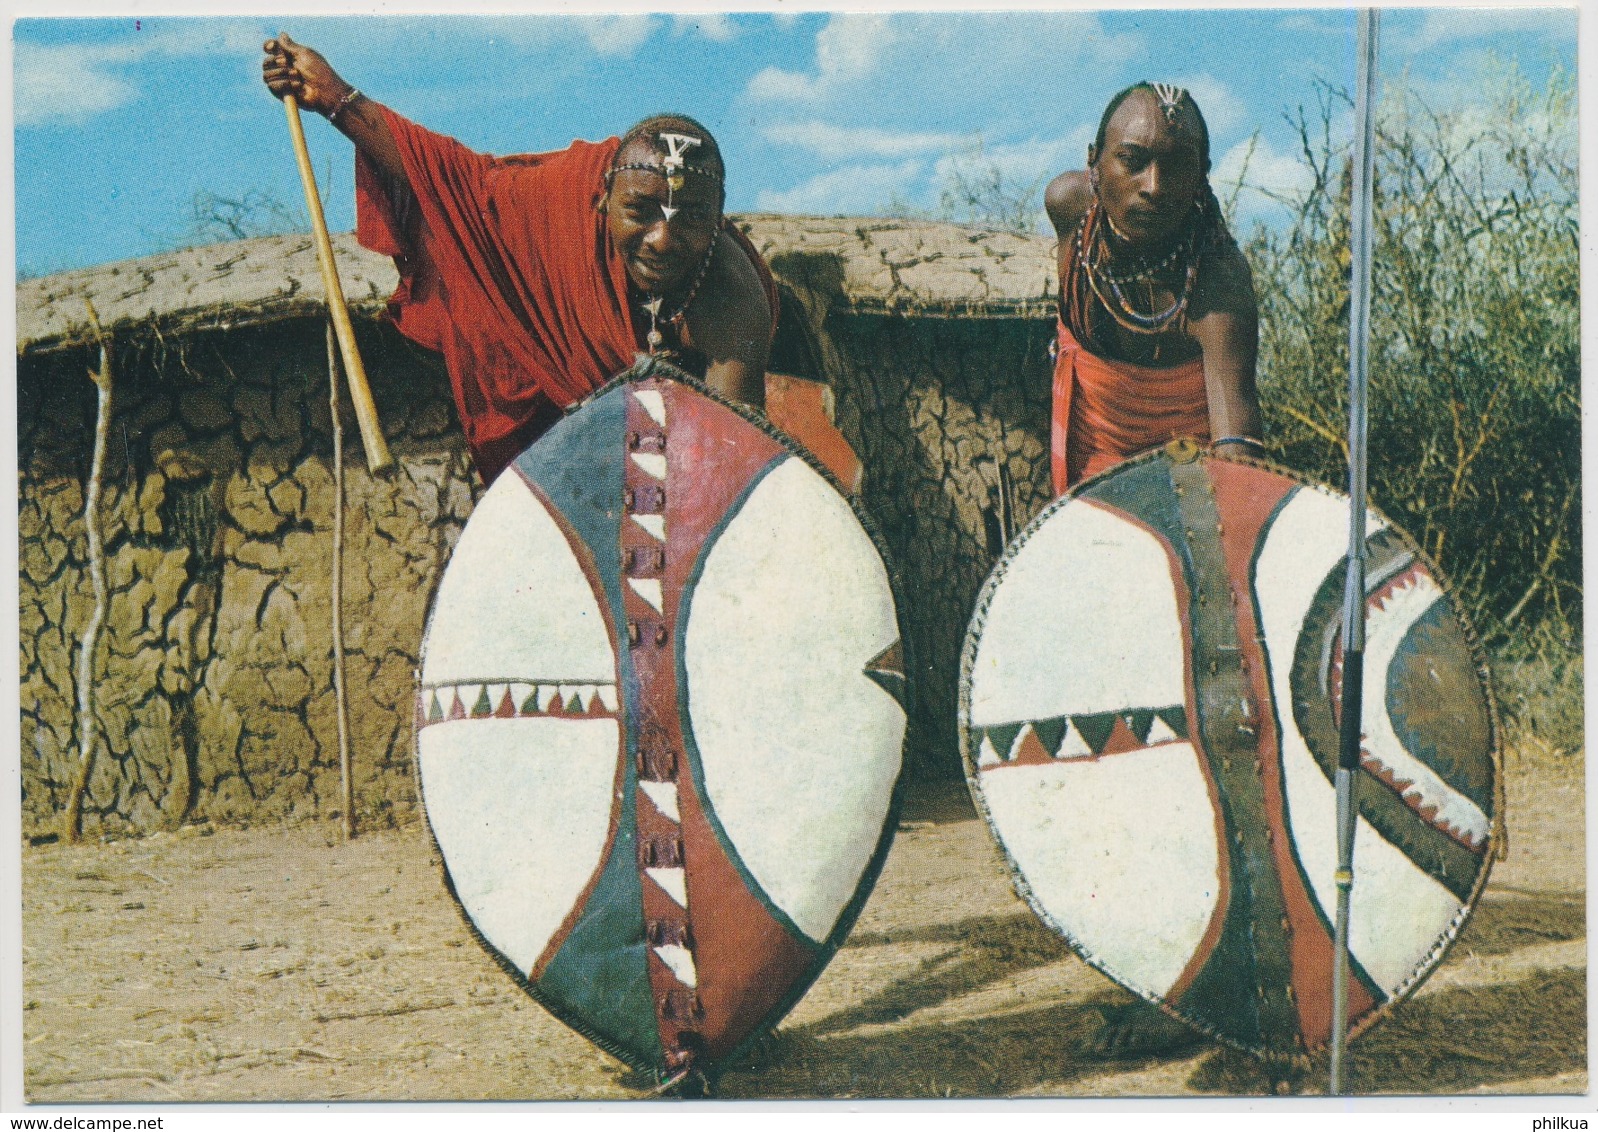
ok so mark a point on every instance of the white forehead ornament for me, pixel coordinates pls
(673, 166)
(1170, 100)
(674, 163)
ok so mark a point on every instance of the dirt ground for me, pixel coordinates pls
(287, 964)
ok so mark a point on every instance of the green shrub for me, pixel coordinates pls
(1474, 403)
(1537, 680)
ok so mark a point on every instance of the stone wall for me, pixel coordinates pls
(215, 680)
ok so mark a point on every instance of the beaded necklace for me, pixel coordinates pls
(652, 303)
(1094, 258)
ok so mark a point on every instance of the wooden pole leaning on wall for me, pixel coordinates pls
(336, 596)
(88, 730)
(377, 455)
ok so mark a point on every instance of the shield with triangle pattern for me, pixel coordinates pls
(660, 722)
(1149, 717)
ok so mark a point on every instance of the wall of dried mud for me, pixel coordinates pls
(214, 675)
(950, 418)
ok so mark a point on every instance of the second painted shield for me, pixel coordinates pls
(659, 725)
(1149, 712)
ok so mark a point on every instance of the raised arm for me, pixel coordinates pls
(1225, 324)
(292, 68)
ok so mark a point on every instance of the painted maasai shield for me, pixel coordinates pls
(658, 721)
(1150, 696)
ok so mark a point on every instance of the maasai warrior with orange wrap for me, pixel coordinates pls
(1157, 340)
(1158, 325)
(540, 277)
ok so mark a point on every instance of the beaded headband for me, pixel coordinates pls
(654, 167)
(673, 166)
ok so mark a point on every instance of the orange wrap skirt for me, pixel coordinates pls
(1106, 411)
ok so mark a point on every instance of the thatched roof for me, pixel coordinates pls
(910, 266)
(861, 265)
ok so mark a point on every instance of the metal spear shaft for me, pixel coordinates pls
(1350, 731)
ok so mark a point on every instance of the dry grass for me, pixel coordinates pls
(286, 964)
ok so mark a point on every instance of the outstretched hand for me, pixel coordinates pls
(292, 68)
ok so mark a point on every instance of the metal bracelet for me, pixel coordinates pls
(343, 104)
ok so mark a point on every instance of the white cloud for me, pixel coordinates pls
(617, 35)
(839, 142)
(935, 161)
(714, 26)
(1266, 172)
(948, 71)
(56, 86)
(1321, 24)
(1446, 26)
(1020, 163)
(68, 85)
(1402, 37)
(1265, 168)
(853, 190)
(1223, 111)
(848, 50)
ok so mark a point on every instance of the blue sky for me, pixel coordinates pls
(120, 122)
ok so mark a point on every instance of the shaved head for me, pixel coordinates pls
(1187, 115)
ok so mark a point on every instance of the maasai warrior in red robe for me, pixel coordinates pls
(506, 268)
(1158, 325)
(540, 277)
(1157, 339)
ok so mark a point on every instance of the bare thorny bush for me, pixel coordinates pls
(213, 218)
(1474, 401)
(977, 190)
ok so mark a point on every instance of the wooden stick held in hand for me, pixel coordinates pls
(377, 455)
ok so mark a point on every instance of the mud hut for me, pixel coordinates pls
(214, 680)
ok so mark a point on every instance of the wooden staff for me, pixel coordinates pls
(377, 455)
(72, 820)
(341, 703)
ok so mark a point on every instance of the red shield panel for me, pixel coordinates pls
(659, 732)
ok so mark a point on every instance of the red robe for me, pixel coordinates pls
(507, 269)
(1106, 411)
